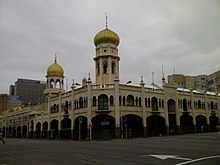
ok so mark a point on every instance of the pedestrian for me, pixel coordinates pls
(1, 137)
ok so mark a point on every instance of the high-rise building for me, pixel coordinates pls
(30, 91)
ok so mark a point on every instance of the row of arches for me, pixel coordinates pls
(103, 126)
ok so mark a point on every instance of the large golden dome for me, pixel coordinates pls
(106, 36)
(55, 69)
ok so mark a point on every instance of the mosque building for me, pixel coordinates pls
(108, 109)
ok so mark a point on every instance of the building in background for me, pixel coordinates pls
(30, 91)
(200, 82)
(214, 81)
(3, 102)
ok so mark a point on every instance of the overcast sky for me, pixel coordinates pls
(180, 34)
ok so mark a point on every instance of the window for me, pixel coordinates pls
(80, 102)
(123, 100)
(94, 101)
(66, 107)
(154, 104)
(149, 102)
(136, 101)
(113, 67)
(184, 105)
(103, 102)
(199, 104)
(105, 67)
(139, 101)
(146, 102)
(111, 100)
(130, 100)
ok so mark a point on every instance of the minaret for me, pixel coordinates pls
(55, 77)
(107, 59)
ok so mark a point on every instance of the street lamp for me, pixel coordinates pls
(128, 82)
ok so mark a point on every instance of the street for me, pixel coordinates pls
(196, 149)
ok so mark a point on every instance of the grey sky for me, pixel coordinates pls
(173, 33)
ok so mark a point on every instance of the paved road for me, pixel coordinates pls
(193, 149)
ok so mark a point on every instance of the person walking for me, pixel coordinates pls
(1, 137)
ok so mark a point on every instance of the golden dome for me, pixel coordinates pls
(106, 36)
(55, 69)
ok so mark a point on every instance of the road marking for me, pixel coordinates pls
(163, 157)
(199, 159)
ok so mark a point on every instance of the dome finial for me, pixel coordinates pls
(106, 21)
(56, 57)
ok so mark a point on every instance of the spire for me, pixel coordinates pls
(163, 78)
(106, 21)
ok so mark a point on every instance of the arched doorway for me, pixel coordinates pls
(214, 121)
(201, 125)
(31, 129)
(103, 127)
(171, 104)
(131, 126)
(14, 131)
(155, 125)
(65, 132)
(80, 130)
(186, 123)
(24, 131)
(45, 130)
(38, 130)
(18, 131)
(54, 129)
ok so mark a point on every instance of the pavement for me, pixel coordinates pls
(189, 149)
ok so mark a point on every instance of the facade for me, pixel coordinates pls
(107, 109)
(30, 91)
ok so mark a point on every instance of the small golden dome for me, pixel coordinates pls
(106, 36)
(55, 69)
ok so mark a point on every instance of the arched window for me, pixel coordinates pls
(94, 101)
(199, 104)
(80, 102)
(105, 67)
(58, 84)
(113, 67)
(130, 100)
(154, 104)
(103, 102)
(51, 83)
(111, 100)
(184, 105)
